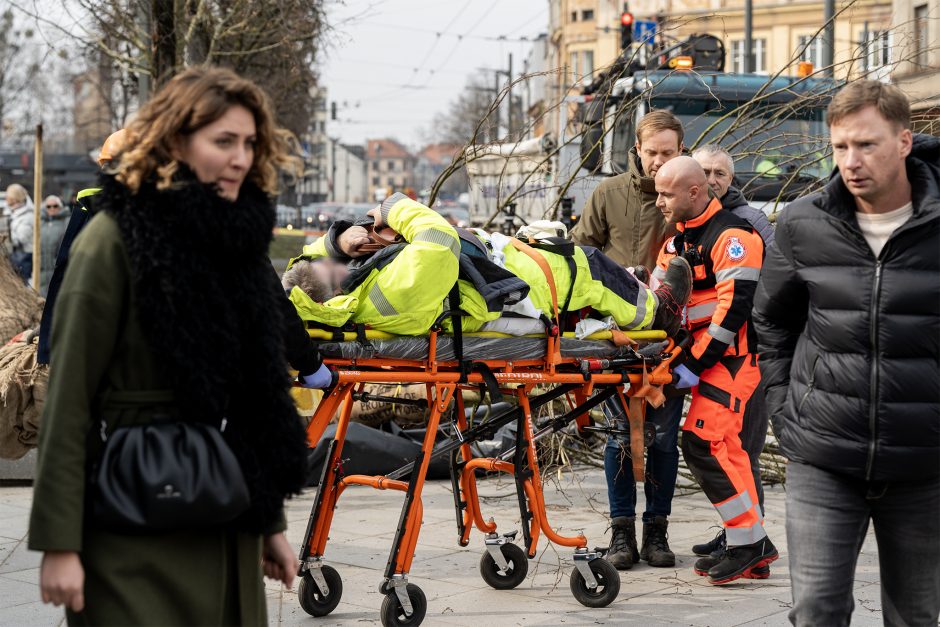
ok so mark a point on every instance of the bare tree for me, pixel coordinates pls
(15, 75)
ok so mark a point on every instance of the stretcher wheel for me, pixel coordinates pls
(393, 614)
(312, 600)
(512, 576)
(608, 584)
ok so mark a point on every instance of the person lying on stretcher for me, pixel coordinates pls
(394, 275)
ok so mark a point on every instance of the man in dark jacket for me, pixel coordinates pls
(719, 171)
(848, 317)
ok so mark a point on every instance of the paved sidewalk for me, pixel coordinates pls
(364, 526)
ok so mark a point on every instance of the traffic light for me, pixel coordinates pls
(626, 30)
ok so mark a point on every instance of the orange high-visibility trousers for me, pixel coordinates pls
(711, 445)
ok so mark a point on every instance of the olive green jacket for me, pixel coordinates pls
(621, 218)
(210, 576)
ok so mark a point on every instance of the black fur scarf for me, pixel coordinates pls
(206, 295)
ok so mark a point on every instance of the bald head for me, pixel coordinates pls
(682, 191)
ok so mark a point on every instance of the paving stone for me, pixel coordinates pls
(364, 528)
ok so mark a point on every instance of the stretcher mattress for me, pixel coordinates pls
(481, 349)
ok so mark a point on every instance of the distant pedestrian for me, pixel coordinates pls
(21, 210)
(848, 318)
(55, 220)
(171, 320)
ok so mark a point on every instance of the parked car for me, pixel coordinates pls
(319, 215)
(354, 212)
(287, 216)
(457, 216)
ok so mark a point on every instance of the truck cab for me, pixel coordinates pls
(774, 128)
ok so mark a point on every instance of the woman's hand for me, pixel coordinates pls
(62, 579)
(279, 560)
(352, 239)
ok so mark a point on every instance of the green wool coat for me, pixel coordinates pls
(102, 364)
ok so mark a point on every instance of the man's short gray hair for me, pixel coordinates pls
(715, 149)
(302, 275)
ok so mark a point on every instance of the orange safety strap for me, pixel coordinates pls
(546, 270)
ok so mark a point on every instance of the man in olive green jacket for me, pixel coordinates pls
(621, 217)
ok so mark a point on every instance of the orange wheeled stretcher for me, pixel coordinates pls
(534, 371)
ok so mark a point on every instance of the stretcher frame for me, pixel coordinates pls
(634, 384)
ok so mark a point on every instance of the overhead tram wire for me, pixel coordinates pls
(439, 34)
(460, 40)
(440, 67)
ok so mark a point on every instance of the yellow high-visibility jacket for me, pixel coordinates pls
(405, 296)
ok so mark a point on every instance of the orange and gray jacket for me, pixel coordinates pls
(726, 258)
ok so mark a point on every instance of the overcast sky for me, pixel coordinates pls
(392, 64)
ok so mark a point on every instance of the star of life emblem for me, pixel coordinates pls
(671, 245)
(735, 250)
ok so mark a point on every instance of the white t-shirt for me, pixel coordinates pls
(878, 227)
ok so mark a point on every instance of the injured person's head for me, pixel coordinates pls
(320, 279)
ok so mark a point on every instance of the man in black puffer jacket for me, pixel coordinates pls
(848, 318)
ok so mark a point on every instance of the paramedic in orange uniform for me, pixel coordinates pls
(721, 369)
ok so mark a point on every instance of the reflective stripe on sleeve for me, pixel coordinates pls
(734, 507)
(439, 237)
(705, 310)
(721, 334)
(742, 273)
(640, 310)
(738, 536)
(380, 302)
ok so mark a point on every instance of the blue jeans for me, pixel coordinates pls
(662, 462)
(827, 520)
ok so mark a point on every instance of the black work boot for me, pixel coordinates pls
(704, 564)
(713, 548)
(673, 294)
(738, 561)
(622, 553)
(656, 543)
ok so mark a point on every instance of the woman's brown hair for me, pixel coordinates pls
(189, 101)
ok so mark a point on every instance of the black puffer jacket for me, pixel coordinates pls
(850, 344)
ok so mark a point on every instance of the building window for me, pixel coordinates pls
(737, 56)
(587, 15)
(574, 16)
(391, 166)
(760, 56)
(573, 67)
(587, 62)
(920, 36)
(811, 49)
(879, 49)
(375, 180)
(375, 165)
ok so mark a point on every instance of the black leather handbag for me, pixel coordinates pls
(167, 475)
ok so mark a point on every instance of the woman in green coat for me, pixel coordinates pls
(170, 305)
